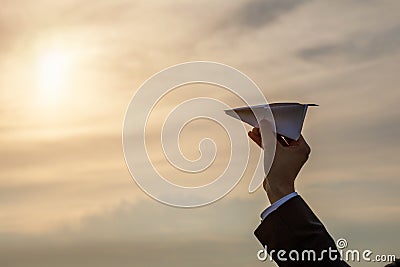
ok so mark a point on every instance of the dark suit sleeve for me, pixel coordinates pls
(294, 227)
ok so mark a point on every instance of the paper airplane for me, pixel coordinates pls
(289, 117)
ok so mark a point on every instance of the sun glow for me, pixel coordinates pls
(52, 73)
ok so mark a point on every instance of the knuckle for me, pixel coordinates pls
(308, 150)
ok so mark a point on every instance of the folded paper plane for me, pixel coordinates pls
(289, 117)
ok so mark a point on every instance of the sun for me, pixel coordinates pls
(52, 75)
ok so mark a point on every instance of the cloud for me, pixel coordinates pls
(151, 234)
(364, 46)
(145, 233)
(152, 253)
(258, 13)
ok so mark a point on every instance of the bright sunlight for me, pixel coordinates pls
(53, 69)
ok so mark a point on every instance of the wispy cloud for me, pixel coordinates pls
(258, 13)
(358, 47)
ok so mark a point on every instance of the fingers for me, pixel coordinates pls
(295, 143)
(300, 144)
(255, 136)
(267, 134)
(256, 131)
(304, 145)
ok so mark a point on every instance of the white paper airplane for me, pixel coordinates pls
(289, 117)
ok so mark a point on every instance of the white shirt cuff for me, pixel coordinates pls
(277, 204)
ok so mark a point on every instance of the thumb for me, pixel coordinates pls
(268, 137)
(267, 132)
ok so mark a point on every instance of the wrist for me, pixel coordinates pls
(276, 191)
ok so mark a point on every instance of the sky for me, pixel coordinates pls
(70, 68)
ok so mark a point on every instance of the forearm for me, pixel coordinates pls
(294, 227)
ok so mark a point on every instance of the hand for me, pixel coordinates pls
(287, 162)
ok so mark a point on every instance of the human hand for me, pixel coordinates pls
(286, 164)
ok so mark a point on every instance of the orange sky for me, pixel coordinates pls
(70, 68)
